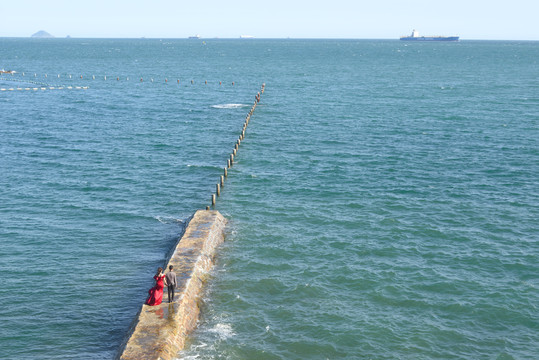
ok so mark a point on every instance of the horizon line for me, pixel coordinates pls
(237, 38)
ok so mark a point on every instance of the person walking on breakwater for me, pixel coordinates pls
(155, 294)
(170, 281)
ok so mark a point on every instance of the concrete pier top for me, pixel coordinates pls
(159, 332)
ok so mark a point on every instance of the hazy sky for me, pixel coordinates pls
(375, 19)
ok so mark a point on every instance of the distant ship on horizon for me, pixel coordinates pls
(415, 37)
(194, 37)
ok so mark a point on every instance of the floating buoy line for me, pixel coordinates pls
(33, 78)
(45, 88)
(230, 161)
(42, 87)
(10, 76)
(37, 85)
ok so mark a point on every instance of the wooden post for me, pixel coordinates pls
(213, 199)
(226, 172)
(218, 189)
(222, 180)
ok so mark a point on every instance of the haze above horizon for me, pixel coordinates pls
(385, 19)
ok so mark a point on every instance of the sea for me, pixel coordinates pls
(384, 203)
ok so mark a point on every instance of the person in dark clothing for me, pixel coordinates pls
(170, 279)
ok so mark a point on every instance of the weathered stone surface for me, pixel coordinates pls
(159, 332)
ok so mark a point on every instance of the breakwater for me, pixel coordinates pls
(159, 332)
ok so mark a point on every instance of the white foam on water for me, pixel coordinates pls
(193, 349)
(168, 219)
(228, 106)
(224, 331)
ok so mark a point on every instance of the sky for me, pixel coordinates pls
(354, 19)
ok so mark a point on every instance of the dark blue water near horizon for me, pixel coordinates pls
(383, 204)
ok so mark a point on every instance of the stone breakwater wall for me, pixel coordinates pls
(160, 332)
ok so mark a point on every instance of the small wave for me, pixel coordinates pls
(168, 220)
(203, 166)
(189, 357)
(228, 106)
(194, 349)
(224, 331)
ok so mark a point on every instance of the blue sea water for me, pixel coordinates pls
(383, 204)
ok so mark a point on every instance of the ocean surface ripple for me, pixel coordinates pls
(382, 206)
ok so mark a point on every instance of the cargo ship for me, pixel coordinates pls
(415, 37)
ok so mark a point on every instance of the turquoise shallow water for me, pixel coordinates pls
(383, 204)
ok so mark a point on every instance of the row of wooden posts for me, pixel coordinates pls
(230, 160)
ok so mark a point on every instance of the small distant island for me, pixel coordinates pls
(42, 34)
